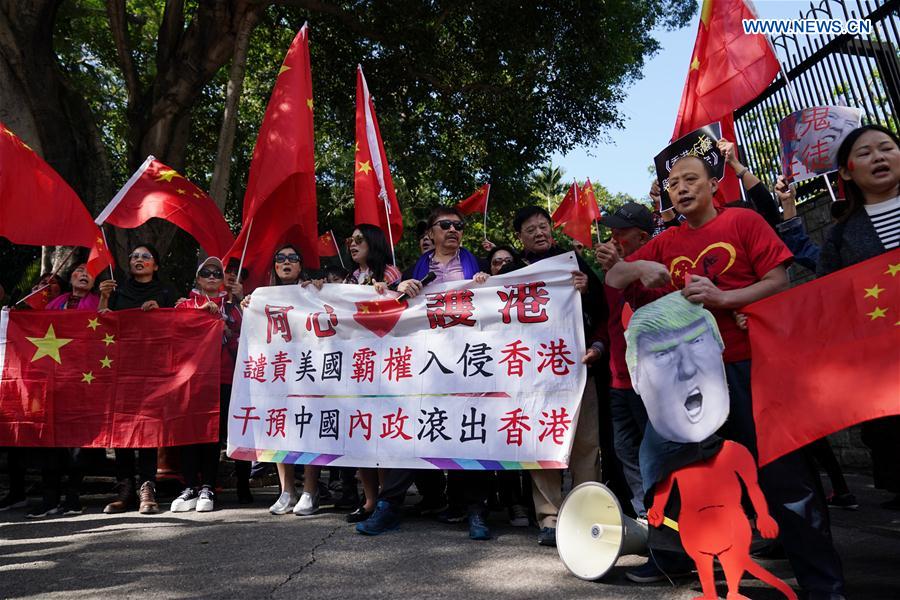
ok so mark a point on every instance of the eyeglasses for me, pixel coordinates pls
(292, 258)
(214, 273)
(446, 224)
(355, 239)
(501, 261)
(140, 255)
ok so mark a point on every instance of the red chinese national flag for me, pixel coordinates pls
(825, 355)
(280, 201)
(156, 190)
(38, 299)
(728, 69)
(327, 245)
(576, 213)
(373, 189)
(588, 201)
(128, 379)
(38, 208)
(477, 202)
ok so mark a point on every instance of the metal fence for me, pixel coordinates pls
(861, 71)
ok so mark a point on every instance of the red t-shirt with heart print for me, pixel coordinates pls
(734, 250)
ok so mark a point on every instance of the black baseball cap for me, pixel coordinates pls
(630, 214)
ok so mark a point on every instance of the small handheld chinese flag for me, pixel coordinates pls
(38, 208)
(476, 203)
(38, 299)
(373, 189)
(156, 190)
(280, 201)
(576, 214)
(728, 69)
(801, 393)
(327, 245)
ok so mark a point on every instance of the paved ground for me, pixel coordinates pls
(246, 553)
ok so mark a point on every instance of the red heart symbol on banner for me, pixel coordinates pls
(379, 316)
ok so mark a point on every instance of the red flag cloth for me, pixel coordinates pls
(280, 199)
(38, 299)
(372, 183)
(575, 215)
(125, 379)
(728, 69)
(38, 208)
(825, 355)
(589, 201)
(327, 245)
(157, 190)
(476, 203)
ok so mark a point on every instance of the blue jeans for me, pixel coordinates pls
(629, 418)
(790, 484)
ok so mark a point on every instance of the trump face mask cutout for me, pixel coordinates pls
(674, 356)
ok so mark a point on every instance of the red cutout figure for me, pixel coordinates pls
(712, 522)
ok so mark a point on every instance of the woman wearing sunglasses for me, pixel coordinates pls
(203, 459)
(287, 269)
(142, 289)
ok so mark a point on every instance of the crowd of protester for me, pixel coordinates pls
(635, 262)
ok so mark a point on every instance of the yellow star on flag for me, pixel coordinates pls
(878, 313)
(309, 103)
(106, 362)
(893, 270)
(180, 192)
(356, 147)
(167, 175)
(695, 64)
(48, 345)
(109, 339)
(93, 324)
(364, 167)
(99, 242)
(283, 69)
(873, 291)
(87, 377)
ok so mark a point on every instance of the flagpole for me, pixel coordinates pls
(793, 94)
(387, 213)
(244, 251)
(338, 250)
(101, 218)
(106, 243)
(487, 196)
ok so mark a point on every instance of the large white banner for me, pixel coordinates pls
(464, 376)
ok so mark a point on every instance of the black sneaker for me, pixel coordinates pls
(547, 536)
(244, 495)
(452, 514)
(46, 509)
(429, 505)
(649, 572)
(72, 506)
(11, 501)
(846, 501)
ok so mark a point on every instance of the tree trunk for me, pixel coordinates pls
(218, 187)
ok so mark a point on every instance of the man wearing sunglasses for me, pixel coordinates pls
(533, 227)
(449, 261)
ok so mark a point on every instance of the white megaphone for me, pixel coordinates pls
(592, 532)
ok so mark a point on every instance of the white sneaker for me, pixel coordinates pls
(185, 502)
(308, 505)
(284, 504)
(206, 501)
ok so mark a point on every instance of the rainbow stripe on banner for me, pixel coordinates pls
(450, 464)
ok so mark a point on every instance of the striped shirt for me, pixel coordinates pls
(885, 218)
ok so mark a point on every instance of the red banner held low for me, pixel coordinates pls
(128, 379)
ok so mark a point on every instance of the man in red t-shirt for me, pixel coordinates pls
(726, 259)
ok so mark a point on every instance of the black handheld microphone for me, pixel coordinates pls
(425, 281)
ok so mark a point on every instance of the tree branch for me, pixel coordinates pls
(115, 10)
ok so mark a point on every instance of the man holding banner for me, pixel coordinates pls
(532, 225)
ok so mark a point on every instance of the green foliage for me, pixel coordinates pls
(466, 92)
